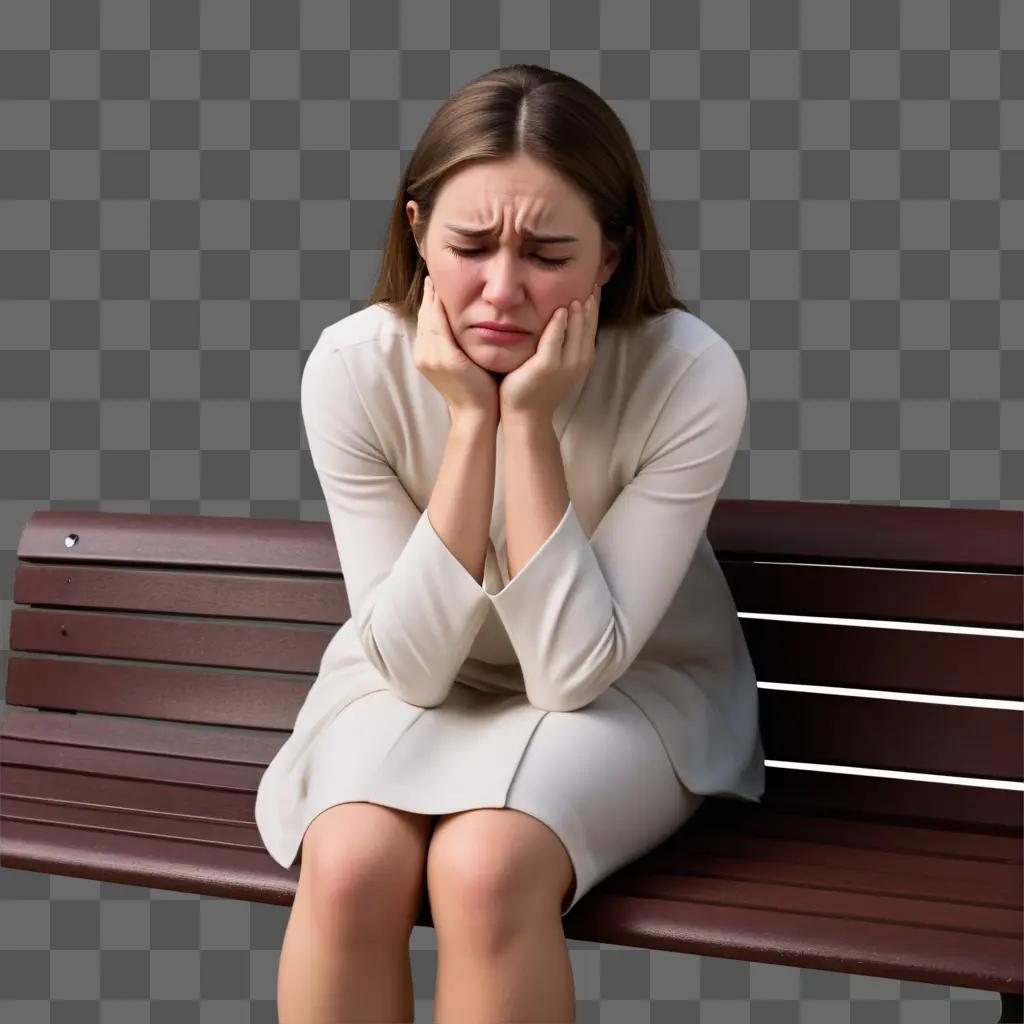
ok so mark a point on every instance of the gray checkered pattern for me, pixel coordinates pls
(190, 191)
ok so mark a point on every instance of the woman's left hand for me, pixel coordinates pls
(565, 352)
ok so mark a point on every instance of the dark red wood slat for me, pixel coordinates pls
(119, 819)
(967, 599)
(861, 732)
(870, 657)
(931, 955)
(172, 798)
(868, 835)
(991, 600)
(834, 867)
(904, 801)
(181, 865)
(246, 746)
(800, 531)
(158, 692)
(184, 591)
(975, 539)
(853, 906)
(221, 542)
(131, 766)
(170, 639)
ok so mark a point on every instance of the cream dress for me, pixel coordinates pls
(607, 688)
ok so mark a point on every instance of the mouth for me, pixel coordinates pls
(502, 337)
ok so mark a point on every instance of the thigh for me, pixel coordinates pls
(602, 779)
(365, 856)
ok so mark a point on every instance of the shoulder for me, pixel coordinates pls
(369, 347)
(675, 353)
(685, 339)
(373, 328)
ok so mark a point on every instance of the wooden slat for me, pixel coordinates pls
(989, 600)
(968, 599)
(47, 811)
(170, 639)
(988, 540)
(932, 955)
(855, 904)
(243, 745)
(742, 817)
(156, 691)
(214, 542)
(834, 867)
(185, 591)
(874, 798)
(89, 763)
(972, 539)
(179, 864)
(911, 736)
(869, 657)
(191, 792)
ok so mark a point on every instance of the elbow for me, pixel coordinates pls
(418, 695)
(561, 690)
(414, 684)
(568, 695)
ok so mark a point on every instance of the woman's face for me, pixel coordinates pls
(506, 276)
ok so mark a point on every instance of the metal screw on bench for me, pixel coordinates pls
(71, 540)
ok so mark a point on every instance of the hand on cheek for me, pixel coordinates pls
(565, 352)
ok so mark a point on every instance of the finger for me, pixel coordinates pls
(571, 349)
(549, 345)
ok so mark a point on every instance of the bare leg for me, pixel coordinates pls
(324, 979)
(525, 977)
(345, 955)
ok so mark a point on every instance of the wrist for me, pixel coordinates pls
(527, 424)
(473, 421)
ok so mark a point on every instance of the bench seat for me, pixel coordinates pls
(172, 806)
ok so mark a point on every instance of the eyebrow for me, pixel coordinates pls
(484, 232)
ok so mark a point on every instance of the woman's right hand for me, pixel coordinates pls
(466, 386)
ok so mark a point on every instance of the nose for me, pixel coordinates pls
(503, 279)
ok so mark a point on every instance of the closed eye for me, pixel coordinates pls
(460, 253)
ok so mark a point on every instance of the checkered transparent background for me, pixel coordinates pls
(190, 191)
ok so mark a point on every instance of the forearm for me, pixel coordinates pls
(463, 496)
(536, 493)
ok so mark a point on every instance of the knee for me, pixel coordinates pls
(481, 894)
(358, 896)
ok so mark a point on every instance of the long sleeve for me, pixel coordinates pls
(415, 606)
(581, 610)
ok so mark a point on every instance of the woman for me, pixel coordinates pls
(543, 674)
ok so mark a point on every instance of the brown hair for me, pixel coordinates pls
(555, 119)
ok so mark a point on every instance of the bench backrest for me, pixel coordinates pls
(222, 621)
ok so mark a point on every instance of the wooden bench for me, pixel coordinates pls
(165, 658)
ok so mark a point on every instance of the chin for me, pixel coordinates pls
(496, 358)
